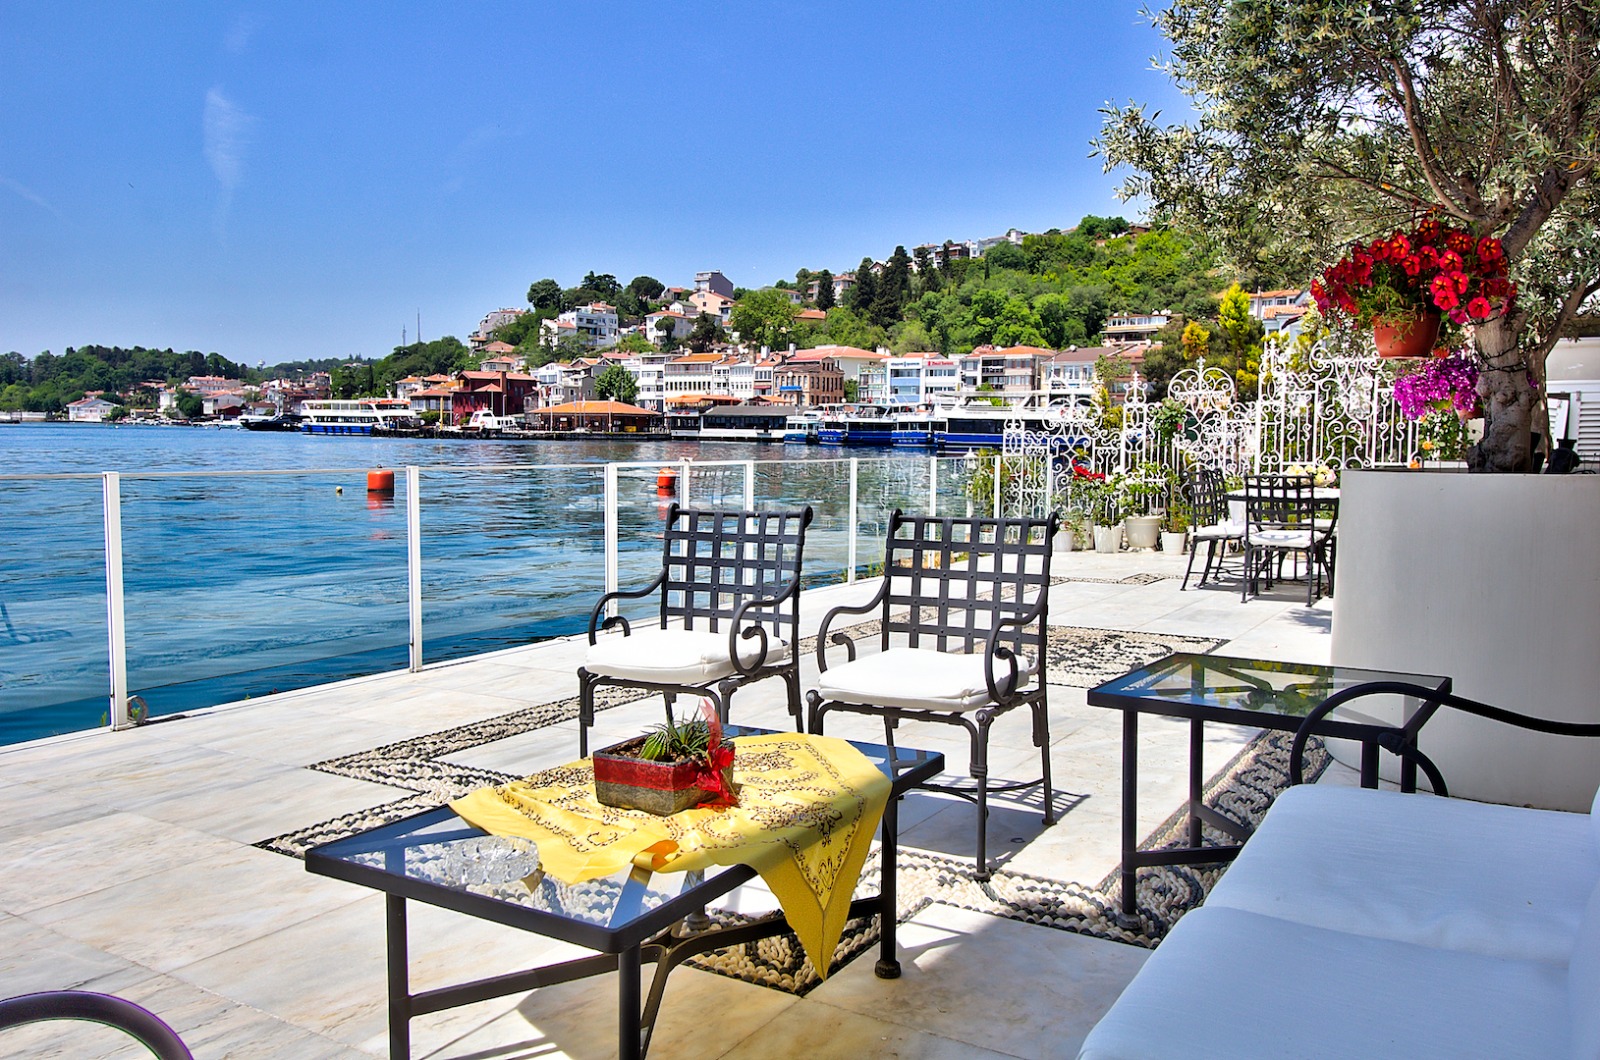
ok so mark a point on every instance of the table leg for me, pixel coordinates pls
(1130, 808)
(399, 979)
(888, 900)
(629, 1043)
(1197, 778)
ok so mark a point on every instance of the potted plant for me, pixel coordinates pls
(1101, 499)
(1074, 529)
(1416, 289)
(1146, 491)
(1175, 529)
(674, 766)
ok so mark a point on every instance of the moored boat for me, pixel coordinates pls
(359, 416)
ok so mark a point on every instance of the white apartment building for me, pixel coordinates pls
(1122, 328)
(695, 373)
(1013, 370)
(1261, 301)
(920, 379)
(1073, 370)
(595, 325)
(652, 384)
(682, 323)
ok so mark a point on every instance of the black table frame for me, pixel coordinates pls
(1372, 736)
(658, 936)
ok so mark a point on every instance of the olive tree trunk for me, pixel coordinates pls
(1508, 400)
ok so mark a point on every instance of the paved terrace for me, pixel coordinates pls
(127, 864)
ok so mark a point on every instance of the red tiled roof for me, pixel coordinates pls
(595, 408)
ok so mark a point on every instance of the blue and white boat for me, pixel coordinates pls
(358, 416)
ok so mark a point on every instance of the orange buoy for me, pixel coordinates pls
(666, 480)
(380, 481)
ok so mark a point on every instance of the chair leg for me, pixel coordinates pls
(1313, 577)
(1213, 565)
(1190, 568)
(816, 708)
(1041, 739)
(585, 710)
(1249, 572)
(671, 699)
(979, 770)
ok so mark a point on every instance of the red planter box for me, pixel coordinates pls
(660, 788)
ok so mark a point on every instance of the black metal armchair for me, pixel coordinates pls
(962, 641)
(728, 611)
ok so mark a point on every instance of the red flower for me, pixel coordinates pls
(1412, 264)
(1479, 308)
(1449, 261)
(1458, 315)
(1490, 252)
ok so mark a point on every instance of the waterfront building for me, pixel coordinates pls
(693, 373)
(808, 381)
(598, 417)
(921, 378)
(1126, 328)
(1013, 370)
(93, 409)
(438, 399)
(651, 378)
(1072, 369)
(212, 384)
(856, 364)
(496, 393)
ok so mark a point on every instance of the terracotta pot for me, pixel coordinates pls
(1406, 337)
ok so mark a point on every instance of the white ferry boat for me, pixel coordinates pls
(358, 416)
(979, 420)
(744, 423)
(801, 427)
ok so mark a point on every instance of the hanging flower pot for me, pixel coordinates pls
(1406, 336)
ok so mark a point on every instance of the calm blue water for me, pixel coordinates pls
(239, 585)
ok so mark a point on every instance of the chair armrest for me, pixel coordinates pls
(847, 642)
(1401, 739)
(622, 594)
(755, 629)
(993, 649)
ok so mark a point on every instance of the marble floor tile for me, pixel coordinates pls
(1059, 983)
(197, 908)
(110, 850)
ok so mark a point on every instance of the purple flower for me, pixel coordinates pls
(1442, 384)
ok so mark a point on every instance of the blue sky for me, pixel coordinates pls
(283, 181)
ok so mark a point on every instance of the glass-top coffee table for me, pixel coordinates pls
(1252, 692)
(438, 858)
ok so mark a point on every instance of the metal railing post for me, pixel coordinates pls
(997, 487)
(933, 485)
(116, 629)
(414, 561)
(1049, 482)
(683, 484)
(610, 544)
(749, 484)
(850, 570)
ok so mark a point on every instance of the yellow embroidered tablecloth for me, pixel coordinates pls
(808, 807)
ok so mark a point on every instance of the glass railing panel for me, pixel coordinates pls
(54, 666)
(510, 555)
(244, 584)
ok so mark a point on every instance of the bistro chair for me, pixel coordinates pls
(728, 613)
(961, 612)
(1282, 518)
(1214, 525)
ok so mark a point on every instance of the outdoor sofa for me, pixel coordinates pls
(1369, 923)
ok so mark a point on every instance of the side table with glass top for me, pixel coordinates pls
(1255, 693)
(438, 858)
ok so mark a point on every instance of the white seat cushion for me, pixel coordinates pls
(1226, 984)
(677, 656)
(1502, 881)
(1219, 531)
(916, 678)
(1284, 538)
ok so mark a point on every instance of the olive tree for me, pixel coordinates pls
(1321, 122)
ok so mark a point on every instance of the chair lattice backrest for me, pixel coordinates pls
(1279, 501)
(1207, 496)
(714, 560)
(951, 580)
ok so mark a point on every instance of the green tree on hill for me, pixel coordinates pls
(765, 318)
(865, 292)
(545, 294)
(824, 290)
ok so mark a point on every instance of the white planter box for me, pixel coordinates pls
(1107, 538)
(1172, 543)
(1493, 580)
